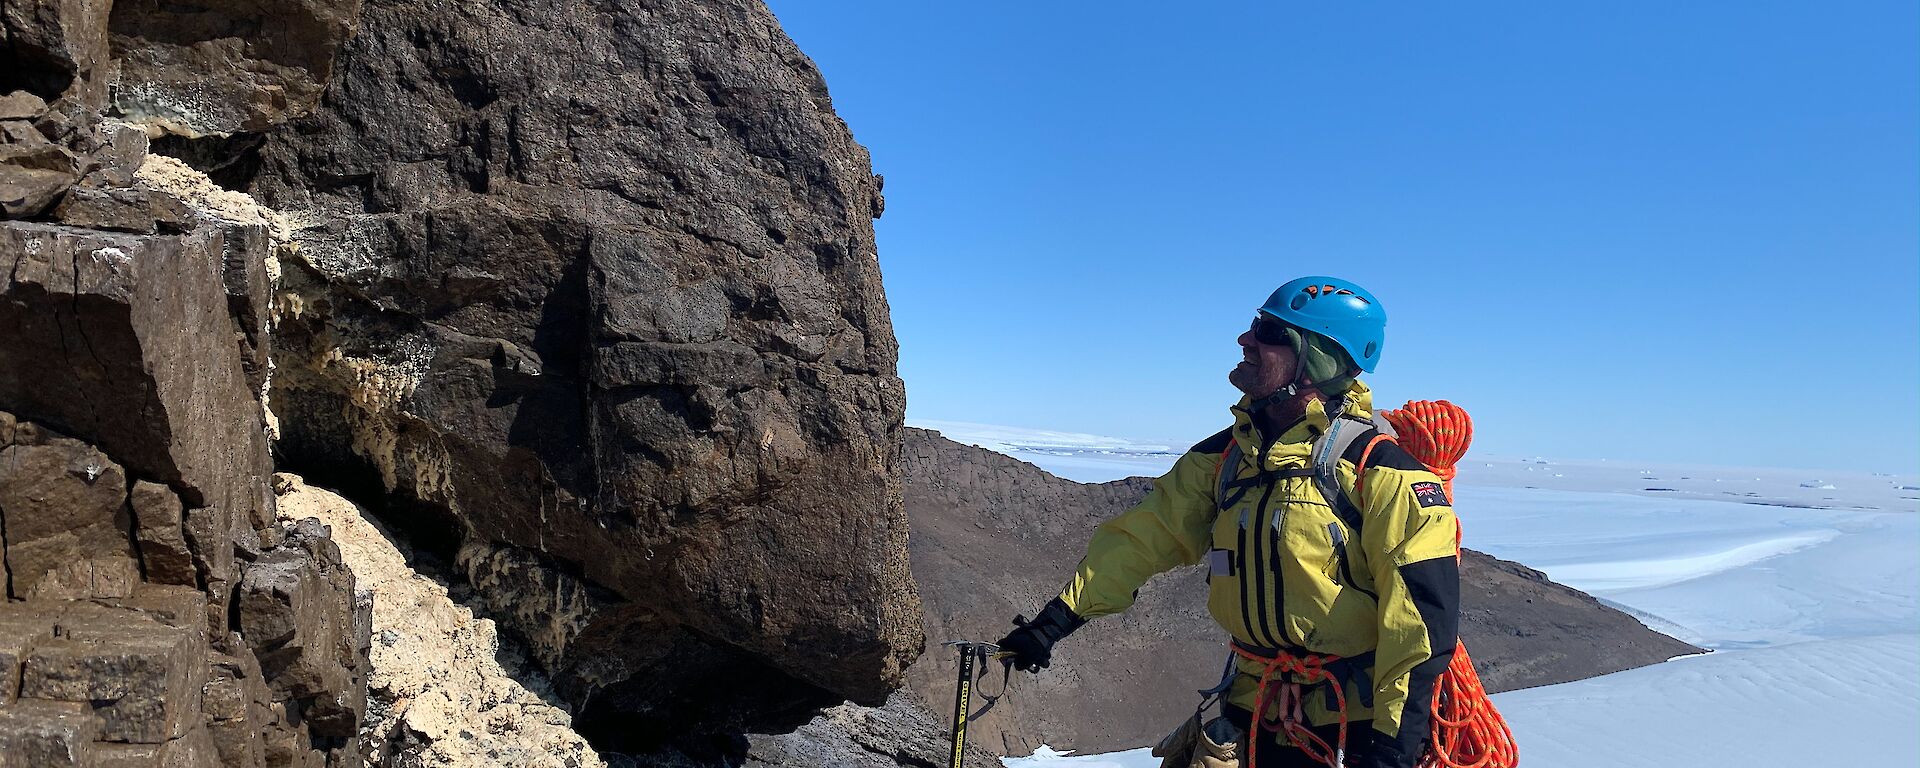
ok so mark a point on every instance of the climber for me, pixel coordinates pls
(1362, 586)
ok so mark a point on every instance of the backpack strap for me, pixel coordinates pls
(1223, 475)
(1229, 490)
(1341, 434)
(1334, 443)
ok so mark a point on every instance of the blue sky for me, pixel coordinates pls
(1677, 232)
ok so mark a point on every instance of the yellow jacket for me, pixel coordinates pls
(1277, 578)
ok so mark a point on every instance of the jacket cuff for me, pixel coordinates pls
(1057, 620)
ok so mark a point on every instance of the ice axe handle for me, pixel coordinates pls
(962, 701)
(963, 695)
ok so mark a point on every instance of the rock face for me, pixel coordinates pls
(149, 616)
(271, 61)
(154, 611)
(995, 536)
(587, 296)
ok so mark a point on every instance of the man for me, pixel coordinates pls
(1368, 577)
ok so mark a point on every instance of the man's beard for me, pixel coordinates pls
(1246, 377)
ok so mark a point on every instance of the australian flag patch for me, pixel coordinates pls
(1431, 495)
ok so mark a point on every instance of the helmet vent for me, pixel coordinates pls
(1317, 291)
(1299, 301)
(1368, 352)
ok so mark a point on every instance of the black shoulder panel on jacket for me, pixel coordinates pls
(1434, 587)
(1387, 454)
(1214, 444)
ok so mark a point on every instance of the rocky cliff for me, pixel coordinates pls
(995, 536)
(155, 612)
(586, 300)
(581, 297)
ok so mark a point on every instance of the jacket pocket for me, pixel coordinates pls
(1338, 537)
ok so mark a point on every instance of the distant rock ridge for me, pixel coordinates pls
(994, 536)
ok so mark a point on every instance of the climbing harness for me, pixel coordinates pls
(1293, 674)
(973, 656)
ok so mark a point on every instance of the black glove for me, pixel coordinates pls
(1032, 643)
(1368, 748)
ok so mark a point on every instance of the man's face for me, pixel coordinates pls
(1264, 368)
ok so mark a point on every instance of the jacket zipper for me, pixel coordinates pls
(1246, 604)
(1261, 570)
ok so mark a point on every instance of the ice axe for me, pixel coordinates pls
(971, 654)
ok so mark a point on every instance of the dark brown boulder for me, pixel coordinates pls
(141, 656)
(299, 613)
(48, 733)
(107, 337)
(158, 520)
(134, 499)
(216, 68)
(587, 296)
(55, 48)
(995, 536)
(142, 677)
(67, 530)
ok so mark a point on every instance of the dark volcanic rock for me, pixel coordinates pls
(48, 733)
(78, 534)
(271, 59)
(588, 293)
(134, 466)
(142, 677)
(995, 536)
(55, 48)
(126, 319)
(901, 733)
(163, 544)
(299, 613)
(67, 533)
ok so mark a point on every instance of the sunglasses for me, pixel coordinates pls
(1271, 332)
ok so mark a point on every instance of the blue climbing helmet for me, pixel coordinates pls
(1336, 309)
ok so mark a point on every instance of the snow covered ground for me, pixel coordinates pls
(1805, 584)
(1074, 456)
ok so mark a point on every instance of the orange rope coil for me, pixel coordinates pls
(1466, 730)
(1434, 431)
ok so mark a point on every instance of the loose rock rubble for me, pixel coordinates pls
(442, 691)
